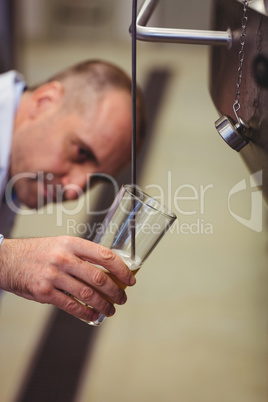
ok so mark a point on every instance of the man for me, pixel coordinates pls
(77, 123)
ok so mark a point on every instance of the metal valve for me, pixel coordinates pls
(232, 133)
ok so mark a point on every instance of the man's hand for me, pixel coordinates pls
(41, 269)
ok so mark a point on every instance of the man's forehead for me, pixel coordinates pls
(108, 124)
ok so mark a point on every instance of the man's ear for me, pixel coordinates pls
(47, 96)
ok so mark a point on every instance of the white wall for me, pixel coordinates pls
(39, 23)
(34, 18)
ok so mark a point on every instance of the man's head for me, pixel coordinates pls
(75, 125)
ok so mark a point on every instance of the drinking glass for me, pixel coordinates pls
(132, 228)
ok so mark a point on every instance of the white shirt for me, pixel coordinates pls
(11, 88)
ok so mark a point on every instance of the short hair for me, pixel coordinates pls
(93, 78)
(99, 75)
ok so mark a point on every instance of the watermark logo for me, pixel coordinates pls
(255, 220)
(191, 203)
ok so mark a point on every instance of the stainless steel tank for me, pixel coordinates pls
(224, 62)
(224, 39)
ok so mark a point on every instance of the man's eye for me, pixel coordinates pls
(84, 154)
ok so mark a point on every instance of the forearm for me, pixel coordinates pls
(17, 265)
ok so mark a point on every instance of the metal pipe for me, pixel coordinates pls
(170, 35)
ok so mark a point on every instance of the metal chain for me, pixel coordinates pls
(241, 56)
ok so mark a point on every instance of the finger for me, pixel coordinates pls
(73, 307)
(86, 294)
(97, 254)
(91, 277)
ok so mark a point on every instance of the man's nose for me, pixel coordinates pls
(73, 185)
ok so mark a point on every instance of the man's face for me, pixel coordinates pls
(58, 151)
